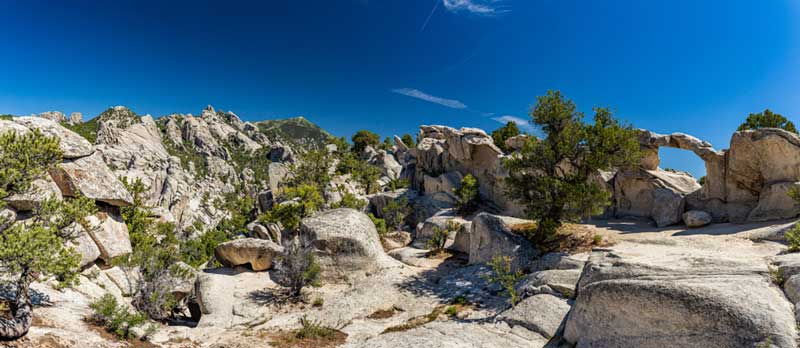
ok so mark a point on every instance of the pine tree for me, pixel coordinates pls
(550, 176)
(36, 249)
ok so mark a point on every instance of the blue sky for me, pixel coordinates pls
(670, 66)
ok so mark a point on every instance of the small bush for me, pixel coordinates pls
(397, 184)
(115, 317)
(298, 268)
(505, 276)
(468, 195)
(395, 213)
(318, 302)
(597, 239)
(793, 238)
(451, 311)
(439, 239)
(313, 329)
(380, 225)
(351, 201)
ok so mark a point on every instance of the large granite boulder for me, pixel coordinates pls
(543, 314)
(40, 190)
(82, 242)
(696, 218)
(260, 254)
(685, 293)
(668, 207)
(91, 177)
(345, 241)
(110, 234)
(491, 236)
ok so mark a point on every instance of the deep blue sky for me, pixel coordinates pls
(691, 66)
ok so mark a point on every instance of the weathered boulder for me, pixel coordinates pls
(562, 281)
(72, 145)
(668, 207)
(396, 239)
(491, 236)
(696, 218)
(278, 172)
(791, 287)
(110, 234)
(345, 241)
(82, 243)
(639, 193)
(386, 162)
(686, 293)
(257, 253)
(543, 314)
(427, 229)
(774, 203)
(40, 190)
(90, 176)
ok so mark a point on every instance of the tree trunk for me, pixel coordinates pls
(21, 312)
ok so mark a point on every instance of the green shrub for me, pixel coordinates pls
(115, 317)
(288, 215)
(298, 268)
(501, 134)
(468, 195)
(439, 238)
(503, 275)
(318, 302)
(767, 119)
(351, 201)
(408, 140)
(364, 138)
(380, 225)
(396, 184)
(395, 213)
(793, 238)
(552, 195)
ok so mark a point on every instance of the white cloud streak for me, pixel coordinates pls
(482, 7)
(521, 122)
(415, 93)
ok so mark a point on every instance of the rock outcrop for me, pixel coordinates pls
(259, 254)
(679, 294)
(491, 236)
(345, 241)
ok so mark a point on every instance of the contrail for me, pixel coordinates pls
(435, 5)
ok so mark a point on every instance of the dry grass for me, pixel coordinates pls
(443, 311)
(384, 313)
(571, 237)
(312, 334)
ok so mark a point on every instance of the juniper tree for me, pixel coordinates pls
(501, 134)
(767, 119)
(550, 176)
(364, 138)
(408, 140)
(36, 249)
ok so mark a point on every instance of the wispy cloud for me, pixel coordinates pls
(483, 7)
(435, 6)
(521, 122)
(415, 93)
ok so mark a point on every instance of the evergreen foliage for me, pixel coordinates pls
(501, 134)
(550, 176)
(767, 119)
